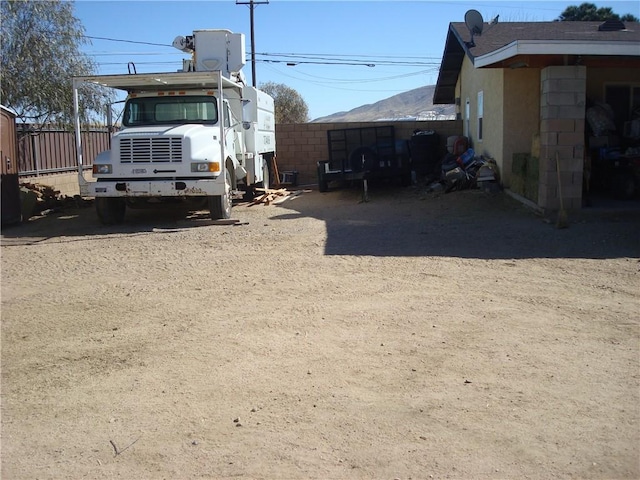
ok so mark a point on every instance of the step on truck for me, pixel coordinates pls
(197, 136)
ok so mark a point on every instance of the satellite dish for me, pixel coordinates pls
(474, 21)
(184, 44)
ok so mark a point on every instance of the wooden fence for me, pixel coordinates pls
(48, 151)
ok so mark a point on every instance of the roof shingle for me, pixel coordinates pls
(495, 36)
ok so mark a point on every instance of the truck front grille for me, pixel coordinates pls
(151, 150)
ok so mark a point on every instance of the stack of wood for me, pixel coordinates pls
(270, 196)
(45, 193)
(39, 199)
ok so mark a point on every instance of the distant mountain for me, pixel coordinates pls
(415, 104)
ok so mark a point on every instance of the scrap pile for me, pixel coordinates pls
(270, 196)
(468, 171)
(459, 169)
(38, 199)
(44, 194)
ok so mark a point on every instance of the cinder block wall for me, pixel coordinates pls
(300, 146)
(562, 126)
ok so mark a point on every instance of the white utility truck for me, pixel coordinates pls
(199, 135)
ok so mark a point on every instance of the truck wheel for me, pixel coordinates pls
(110, 210)
(220, 205)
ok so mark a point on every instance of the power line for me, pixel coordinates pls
(252, 5)
(296, 62)
(293, 62)
(332, 86)
(127, 41)
(313, 55)
(358, 80)
(338, 84)
(291, 59)
(294, 59)
(151, 54)
(136, 63)
(310, 56)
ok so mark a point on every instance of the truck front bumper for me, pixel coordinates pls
(156, 188)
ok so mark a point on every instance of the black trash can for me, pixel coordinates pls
(424, 146)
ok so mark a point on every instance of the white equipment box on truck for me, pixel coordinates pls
(194, 136)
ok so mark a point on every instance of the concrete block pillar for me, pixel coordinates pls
(562, 127)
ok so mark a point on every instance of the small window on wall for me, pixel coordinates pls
(480, 113)
(467, 115)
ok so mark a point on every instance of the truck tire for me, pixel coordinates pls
(110, 210)
(220, 205)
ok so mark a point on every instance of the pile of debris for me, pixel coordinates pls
(270, 196)
(38, 199)
(467, 171)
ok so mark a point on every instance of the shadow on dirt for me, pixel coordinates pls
(82, 222)
(466, 224)
(407, 222)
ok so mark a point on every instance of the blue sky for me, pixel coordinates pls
(403, 39)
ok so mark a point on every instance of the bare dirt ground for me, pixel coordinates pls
(413, 336)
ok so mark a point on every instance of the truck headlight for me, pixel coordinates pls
(102, 168)
(205, 167)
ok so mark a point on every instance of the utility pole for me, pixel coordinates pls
(252, 4)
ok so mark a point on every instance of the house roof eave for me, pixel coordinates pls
(540, 47)
(454, 53)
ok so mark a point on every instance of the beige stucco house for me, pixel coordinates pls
(523, 89)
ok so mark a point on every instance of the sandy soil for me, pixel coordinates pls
(413, 336)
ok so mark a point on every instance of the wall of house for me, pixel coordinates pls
(521, 104)
(597, 78)
(491, 83)
(532, 113)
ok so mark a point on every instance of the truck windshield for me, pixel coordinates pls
(170, 110)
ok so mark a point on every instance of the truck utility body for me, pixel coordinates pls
(190, 136)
